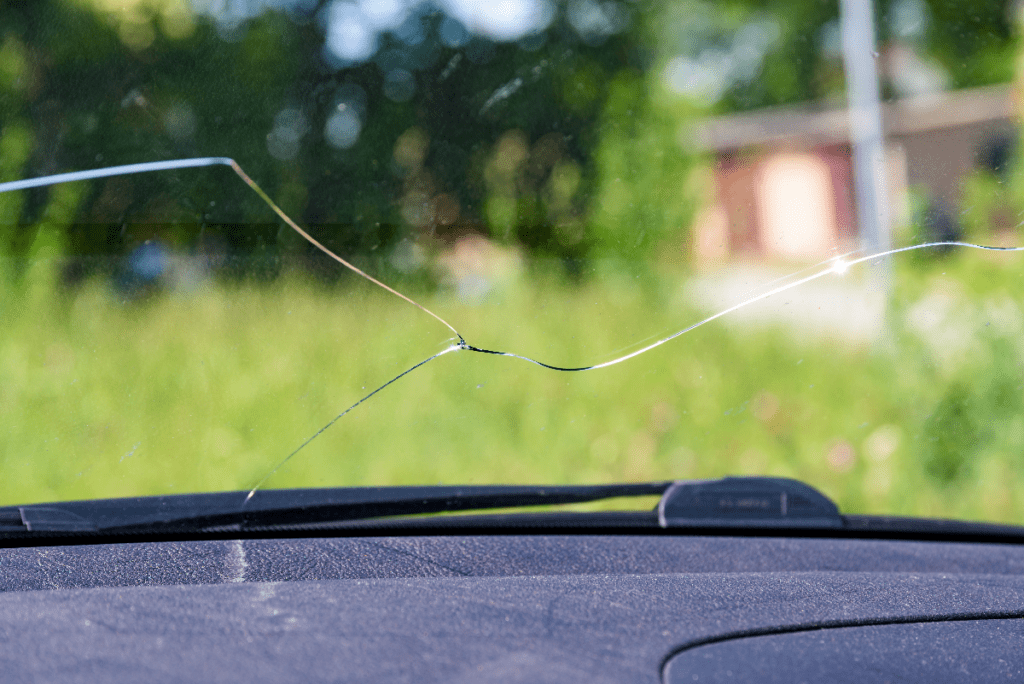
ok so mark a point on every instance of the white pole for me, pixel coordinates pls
(865, 112)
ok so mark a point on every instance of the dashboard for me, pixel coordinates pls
(513, 608)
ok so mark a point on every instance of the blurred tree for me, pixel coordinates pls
(394, 122)
(994, 192)
(334, 140)
(643, 196)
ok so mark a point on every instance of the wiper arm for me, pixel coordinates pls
(293, 506)
(730, 502)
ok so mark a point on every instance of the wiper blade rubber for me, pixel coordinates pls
(752, 502)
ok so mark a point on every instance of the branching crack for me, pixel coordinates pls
(835, 266)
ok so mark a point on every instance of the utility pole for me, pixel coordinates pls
(865, 111)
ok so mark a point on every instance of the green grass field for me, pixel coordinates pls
(210, 389)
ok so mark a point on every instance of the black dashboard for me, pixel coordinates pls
(513, 608)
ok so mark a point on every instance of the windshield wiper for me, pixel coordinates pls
(730, 502)
(732, 505)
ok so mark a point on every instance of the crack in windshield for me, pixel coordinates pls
(837, 266)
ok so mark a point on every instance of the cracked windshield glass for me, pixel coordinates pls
(308, 243)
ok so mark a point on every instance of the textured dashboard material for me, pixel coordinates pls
(473, 609)
(596, 628)
(259, 560)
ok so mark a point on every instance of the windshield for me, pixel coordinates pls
(664, 216)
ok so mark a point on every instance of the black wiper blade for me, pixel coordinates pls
(754, 502)
(198, 512)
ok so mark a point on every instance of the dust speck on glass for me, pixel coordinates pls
(307, 243)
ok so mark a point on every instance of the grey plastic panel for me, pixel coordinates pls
(566, 628)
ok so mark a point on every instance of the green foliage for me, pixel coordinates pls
(953, 435)
(978, 413)
(192, 88)
(959, 325)
(977, 47)
(642, 196)
(598, 167)
(210, 389)
(799, 43)
(993, 205)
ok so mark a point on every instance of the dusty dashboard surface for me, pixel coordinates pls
(499, 608)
